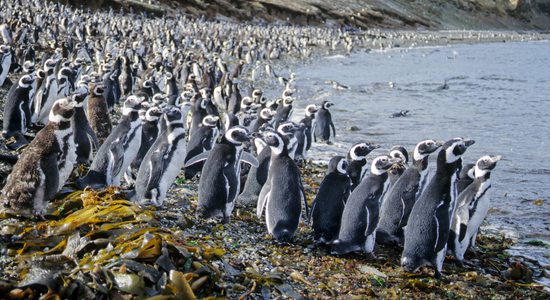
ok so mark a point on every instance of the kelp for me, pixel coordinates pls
(109, 245)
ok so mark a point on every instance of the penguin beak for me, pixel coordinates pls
(468, 142)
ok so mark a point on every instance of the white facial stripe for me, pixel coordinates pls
(397, 154)
(340, 166)
(373, 169)
(280, 145)
(352, 153)
(449, 155)
(229, 133)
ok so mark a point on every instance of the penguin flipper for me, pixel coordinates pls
(196, 159)
(249, 159)
(117, 153)
(93, 137)
(333, 128)
(303, 193)
(262, 198)
(156, 167)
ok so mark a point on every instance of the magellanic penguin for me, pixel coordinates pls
(328, 206)
(401, 196)
(283, 192)
(34, 179)
(428, 226)
(163, 161)
(283, 112)
(47, 94)
(472, 207)
(305, 136)
(5, 63)
(323, 123)
(357, 158)
(220, 179)
(66, 140)
(360, 217)
(150, 129)
(465, 178)
(84, 136)
(119, 149)
(202, 140)
(17, 115)
(98, 113)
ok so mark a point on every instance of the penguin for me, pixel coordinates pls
(98, 113)
(17, 115)
(84, 136)
(119, 149)
(256, 177)
(305, 135)
(202, 140)
(428, 226)
(283, 192)
(358, 162)
(472, 207)
(465, 178)
(328, 206)
(323, 123)
(163, 162)
(402, 155)
(47, 94)
(5, 63)
(67, 157)
(150, 129)
(283, 112)
(34, 179)
(220, 179)
(360, 216)
(401, 196)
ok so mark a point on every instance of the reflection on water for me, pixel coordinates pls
(497, 94)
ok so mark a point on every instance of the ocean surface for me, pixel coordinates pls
(498, 94)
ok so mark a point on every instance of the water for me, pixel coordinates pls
(498, 94)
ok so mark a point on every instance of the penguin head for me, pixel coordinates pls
(152, 114)
(173, 116)
(257, 93)
(246, 102)
(132, 104)
(360, 150)
(453, 149)
(338, 164)
(274, 140)
(210, 121)
(381, 164)
(4, 49)
(287, 93)
(159, 99)
(399, 152)
(267, 113)
(236, 135)
(288, 128)
(327, 104)
(485, 164)
(311, 110)
(28, 66)
(49, 65)
(25, 82)
(425, 148)
(62, 110)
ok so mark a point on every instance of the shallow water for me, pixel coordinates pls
(498, 94)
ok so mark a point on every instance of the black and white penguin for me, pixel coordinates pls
(220, 179)
(84, 136)
(150, 129)
(357, 158)
(119, 149)
(163, 162)
(202, 140)
(98, 113)
(257, 176)
(400, 153)
(360, 217)
(46, 94)
(428, 226)
(34, 179)
(401, 196)
(5, 63)
(305, 135)
(472, 207)
(328, 206)
(282, 194)
(17, 115)
(283, 112)
(66, 140)
(323, 123)
(465, 178)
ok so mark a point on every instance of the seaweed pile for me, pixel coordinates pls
(96, 244)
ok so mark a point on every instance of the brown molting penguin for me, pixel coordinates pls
(34, 179)
(98, 113)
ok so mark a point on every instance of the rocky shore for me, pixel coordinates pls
(392, 14)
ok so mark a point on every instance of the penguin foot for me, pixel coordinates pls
(438, 274)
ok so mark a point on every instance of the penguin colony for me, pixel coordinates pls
(187, 106)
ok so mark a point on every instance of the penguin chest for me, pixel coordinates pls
(67, 157)
(172, 158)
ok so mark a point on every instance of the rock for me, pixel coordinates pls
(371, 271)
(354, 128)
